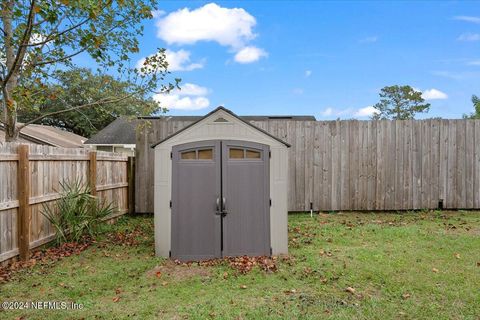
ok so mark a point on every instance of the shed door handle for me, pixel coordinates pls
(221, 207)
(224, 206)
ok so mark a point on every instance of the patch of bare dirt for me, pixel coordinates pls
(241, 265)
(179, 272)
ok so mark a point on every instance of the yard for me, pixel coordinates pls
(423, 265)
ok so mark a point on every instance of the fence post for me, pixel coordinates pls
(24, 210)
(131, 184)
(92, 167)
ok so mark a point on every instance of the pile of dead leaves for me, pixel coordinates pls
(242, 264)
(44, 257)
(126, 238)
(245, 264)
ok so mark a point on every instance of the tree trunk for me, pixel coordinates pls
(9, 85)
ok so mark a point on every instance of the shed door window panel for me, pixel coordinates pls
(243, 153)
(197, 154)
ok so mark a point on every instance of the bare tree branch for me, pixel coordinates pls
(22, 48)
(98, 102)
(54, 35)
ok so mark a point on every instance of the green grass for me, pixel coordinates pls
(382, 256)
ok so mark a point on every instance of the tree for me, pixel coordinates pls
(476, 106)
(41, 36)
(399, 103)
(78, 87)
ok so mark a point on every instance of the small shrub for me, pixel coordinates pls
(77, 213)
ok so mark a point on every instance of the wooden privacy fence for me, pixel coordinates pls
(30, 176)
(358, 165)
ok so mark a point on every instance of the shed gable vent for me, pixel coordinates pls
(221, 119)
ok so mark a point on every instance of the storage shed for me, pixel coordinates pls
(220, 190)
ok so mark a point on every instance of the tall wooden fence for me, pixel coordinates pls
(30, 177)
(358, 165)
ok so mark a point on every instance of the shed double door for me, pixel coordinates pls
(220, 200)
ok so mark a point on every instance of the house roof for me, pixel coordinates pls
(48, 135)
(232, 114)
(247, 118)
(120, 131)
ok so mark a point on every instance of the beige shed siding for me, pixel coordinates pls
(235, 129)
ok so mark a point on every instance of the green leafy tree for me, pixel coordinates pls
(476, 106)
(78, 87)
(39, 37)
(399, 103)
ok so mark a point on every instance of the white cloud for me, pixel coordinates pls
(469, 37)
(229, 27)
(370, 39)
(180, 61)
(434, 94)
(308, 73)
(158, 13)
(249, 54)
(468, 19)
(349, 112)
(189, 97)
(365, 112)
(474, 63)
(191, 89)
(36, 38)
(327, 112)
(177, 61)
(176, 102)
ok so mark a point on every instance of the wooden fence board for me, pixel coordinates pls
(308, 169)
(476, 171)
(318, 161)
(357, 165)
(38, 184)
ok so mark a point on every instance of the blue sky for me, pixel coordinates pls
(327, 59)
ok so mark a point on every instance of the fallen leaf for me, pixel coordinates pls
(164, 283)
(457, 255)
(118, 291)
(292, 291)
(243, 286)
(158, 274)
(435, 270)
(350, 290)
(225, 275)
(116, 299)
(406, 296)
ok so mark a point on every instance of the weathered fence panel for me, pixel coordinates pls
(358, 165)
(30, 177)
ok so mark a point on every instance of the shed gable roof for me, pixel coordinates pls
(221, 119)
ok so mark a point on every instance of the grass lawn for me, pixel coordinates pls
(397, 266)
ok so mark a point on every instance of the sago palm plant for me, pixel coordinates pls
(77, 213)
